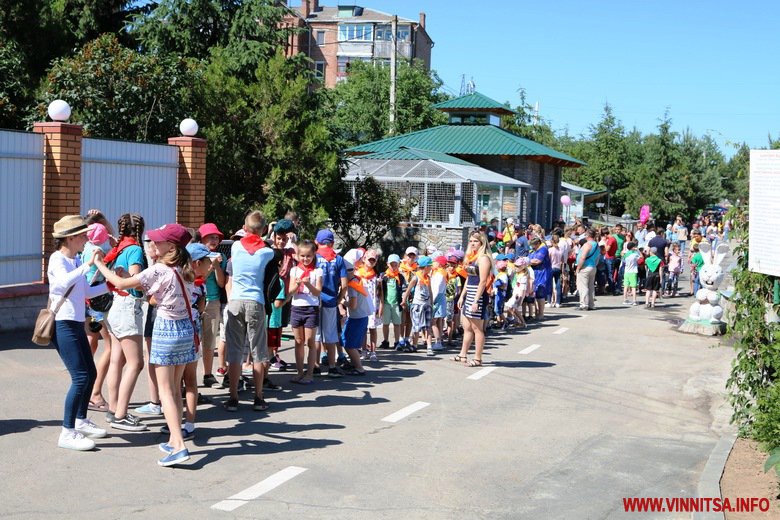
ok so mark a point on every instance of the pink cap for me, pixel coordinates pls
(210, 229)
(97, 233)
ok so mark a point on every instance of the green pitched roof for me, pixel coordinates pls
(473, 102)
(469, 140)
(412, 154)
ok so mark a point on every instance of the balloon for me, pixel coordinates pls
(644, 214)
(566, 200)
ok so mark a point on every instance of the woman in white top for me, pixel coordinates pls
(67, 280)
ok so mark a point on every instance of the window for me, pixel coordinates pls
(548, 210)
(319, 70)
(533, 205)
(356, 32)
(320, 35)
(403, 34)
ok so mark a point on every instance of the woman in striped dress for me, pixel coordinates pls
(473, 300)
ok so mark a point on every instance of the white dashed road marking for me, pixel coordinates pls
(259, 489)
(405, 412)
(561, 330)
(530, 349)
(482, 373)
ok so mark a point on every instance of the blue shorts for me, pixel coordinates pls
(354, 333)
(541, 292)
(440, 306)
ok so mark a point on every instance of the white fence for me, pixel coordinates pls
(120, 177)
(21, 211)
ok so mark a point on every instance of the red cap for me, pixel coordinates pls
(441, 260)
(210, 229)
(174, 233)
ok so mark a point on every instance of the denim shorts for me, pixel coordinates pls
(126, 316)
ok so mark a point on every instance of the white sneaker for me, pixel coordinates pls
(73, 440)
(90, 430)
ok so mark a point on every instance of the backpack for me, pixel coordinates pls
(272, 282)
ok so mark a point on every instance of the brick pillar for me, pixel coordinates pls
(61, 179)
(191, 187)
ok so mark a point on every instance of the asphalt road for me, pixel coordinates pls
(566, 420)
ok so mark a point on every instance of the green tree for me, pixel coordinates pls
(269, 146)
(361, 109)
(526, 123)
(737, 174)
(116, 92)
(658, 180)
(702, 165)
(245, 33)
(366, 211)
(14, 85)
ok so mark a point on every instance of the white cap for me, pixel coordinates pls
(431, 249)
(352, 256)
(510, 221)
(412, 250)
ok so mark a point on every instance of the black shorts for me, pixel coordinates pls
(151, 313)
(305, 316)
(653, 281)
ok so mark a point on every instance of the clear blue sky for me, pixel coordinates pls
(712, 63)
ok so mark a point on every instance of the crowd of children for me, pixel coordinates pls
(187, 294)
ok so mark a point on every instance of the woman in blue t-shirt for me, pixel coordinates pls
(126, 324)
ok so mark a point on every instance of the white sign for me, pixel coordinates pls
(764, 253)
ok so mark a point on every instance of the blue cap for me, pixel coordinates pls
(324, 236)
(393, 258)
(500, 257)
(198, 251)
(424, 261)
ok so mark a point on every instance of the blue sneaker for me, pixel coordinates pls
(184, 433)
(149, 409)
(401, 345)
(165, 447)
(174, 458)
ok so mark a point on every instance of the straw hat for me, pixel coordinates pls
(69, 225)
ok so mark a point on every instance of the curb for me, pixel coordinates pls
(709, 482)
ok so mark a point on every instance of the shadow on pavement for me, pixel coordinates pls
(9, 426)
(521, 364)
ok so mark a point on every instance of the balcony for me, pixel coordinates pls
(356, 49)
(384, 48)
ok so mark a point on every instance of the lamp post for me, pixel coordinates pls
(608, 185)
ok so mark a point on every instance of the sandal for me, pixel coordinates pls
(459, 358)
(98, 407)
(474, 363)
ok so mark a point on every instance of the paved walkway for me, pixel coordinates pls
(565, 420)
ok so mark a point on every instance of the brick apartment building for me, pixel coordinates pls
(335, 36)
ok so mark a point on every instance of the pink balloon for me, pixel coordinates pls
(566, 200)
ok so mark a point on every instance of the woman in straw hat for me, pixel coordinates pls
(67, 280)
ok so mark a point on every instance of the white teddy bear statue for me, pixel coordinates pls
(707, 306)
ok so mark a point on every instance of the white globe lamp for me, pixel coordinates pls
(59, 110)
(188, 127)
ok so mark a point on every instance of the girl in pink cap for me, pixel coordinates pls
(174, 342)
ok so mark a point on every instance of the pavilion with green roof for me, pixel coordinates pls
(474, 135)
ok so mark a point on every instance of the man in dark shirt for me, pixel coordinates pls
(660, 244)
